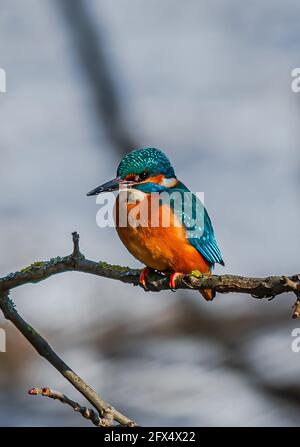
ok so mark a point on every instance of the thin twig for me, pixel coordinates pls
(88, 413)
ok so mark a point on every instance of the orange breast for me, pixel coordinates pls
(164, 248)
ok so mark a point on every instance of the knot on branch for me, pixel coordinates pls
(76, 254)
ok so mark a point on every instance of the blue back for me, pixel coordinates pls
(192, 213)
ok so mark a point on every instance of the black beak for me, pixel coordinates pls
(112, 185)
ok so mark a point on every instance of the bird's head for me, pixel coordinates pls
(139, 168)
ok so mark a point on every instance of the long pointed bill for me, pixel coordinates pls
(112, 185)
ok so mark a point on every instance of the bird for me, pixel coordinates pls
(180, 239)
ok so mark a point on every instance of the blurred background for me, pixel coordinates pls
(209, 82)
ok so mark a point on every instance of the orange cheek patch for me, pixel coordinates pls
(157, 179)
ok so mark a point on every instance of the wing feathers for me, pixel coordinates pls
(203, 239)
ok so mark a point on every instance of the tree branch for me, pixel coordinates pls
(87, 413)
(44, 349)
(268, 287)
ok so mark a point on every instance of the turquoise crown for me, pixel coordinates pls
(150, 160)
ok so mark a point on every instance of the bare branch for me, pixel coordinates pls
(268, 287)
(44, 349)
(88, 413)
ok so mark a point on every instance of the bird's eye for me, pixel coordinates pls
(143, 175)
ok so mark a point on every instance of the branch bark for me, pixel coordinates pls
(87, 413)
(268, 287)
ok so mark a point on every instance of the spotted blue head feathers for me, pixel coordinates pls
(150, 160)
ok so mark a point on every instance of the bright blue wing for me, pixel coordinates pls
(207, 244)
(198, 225)
(193, 215)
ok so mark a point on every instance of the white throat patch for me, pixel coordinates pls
(169, 182)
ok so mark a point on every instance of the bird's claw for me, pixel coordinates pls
(172, 280)
(143, 277)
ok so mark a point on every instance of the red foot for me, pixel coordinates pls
(172, 281)
(143, 277)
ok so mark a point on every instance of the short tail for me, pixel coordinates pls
(208, 294)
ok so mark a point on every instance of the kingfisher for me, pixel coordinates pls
(173, 234)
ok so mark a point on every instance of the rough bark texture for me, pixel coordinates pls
(267, 287)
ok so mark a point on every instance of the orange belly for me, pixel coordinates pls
(162, 248)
